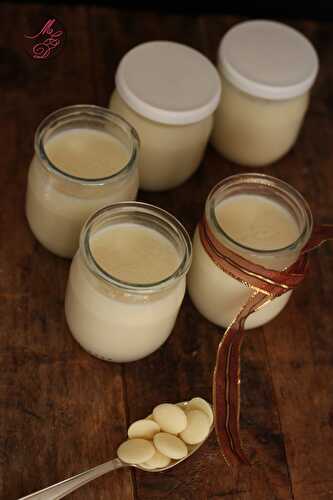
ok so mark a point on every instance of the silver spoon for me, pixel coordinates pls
(63, 488)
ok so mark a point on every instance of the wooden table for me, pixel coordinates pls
(63, 411)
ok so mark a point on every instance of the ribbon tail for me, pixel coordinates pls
(226, 384)
(266, 284)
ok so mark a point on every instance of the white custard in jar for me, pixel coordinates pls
(168, 92)
(267, 71)
(86, 157)
(127, 281)
(87, 153)
(258, 223)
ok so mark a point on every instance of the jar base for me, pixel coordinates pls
(110, 359)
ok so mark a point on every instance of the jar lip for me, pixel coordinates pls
(246, 53)
(74, 111)
(269, 182)
(150, 212)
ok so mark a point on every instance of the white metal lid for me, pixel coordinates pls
(168, 82)
(268, 59)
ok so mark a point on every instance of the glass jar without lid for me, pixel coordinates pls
(127, 281)
(260, 218)
(85, 158)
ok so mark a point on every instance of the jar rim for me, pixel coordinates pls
(149, 212)
(266, 182)
(93, 111)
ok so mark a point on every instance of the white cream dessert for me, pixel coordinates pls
(134, 253)
(267, 70)
(131, 311)
(253, 131)
(85, 171)
(169, 154)
(251, 221)
(87, 153)
(168, 92)
(256, 222)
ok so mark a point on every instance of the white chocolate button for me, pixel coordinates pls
(136, 451)
(197, 427)
(143, 429)
(170, 418)
(157, 461)
(146, 466)
(201, 404)
(170, 445)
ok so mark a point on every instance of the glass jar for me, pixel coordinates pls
(57, 202)
(168, 92)
(123, 321)
(217, 295)
(267, 71)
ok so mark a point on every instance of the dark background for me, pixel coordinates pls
(321, 10)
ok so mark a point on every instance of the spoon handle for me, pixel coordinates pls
(60, 490)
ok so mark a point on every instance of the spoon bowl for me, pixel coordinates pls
(191, 449)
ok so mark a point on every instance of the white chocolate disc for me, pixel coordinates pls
(143, 429)
(170, 445)
(157, 461)
(146, 466)
(197, 427)
(171, 418)
(136, 451)
(201, 404)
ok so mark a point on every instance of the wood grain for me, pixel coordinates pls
(61, 410)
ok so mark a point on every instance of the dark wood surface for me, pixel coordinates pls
(63, 411)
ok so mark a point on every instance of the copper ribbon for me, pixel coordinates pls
(266, 284)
